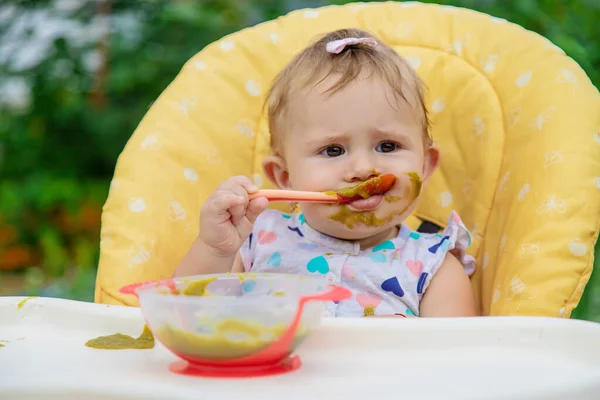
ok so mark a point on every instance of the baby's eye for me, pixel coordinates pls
(333, 151)
(387, 147)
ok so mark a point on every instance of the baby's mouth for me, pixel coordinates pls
(360, 193)
(368, 204)
(361, 210)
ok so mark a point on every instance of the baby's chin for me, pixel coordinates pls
(356, 231)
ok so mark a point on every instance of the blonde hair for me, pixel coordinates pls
(314, 64)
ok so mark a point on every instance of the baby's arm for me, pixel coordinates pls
(238, 264)
(226, 220)
(202, 259)
(449, 293)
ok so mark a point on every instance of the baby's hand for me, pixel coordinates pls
(227, 216)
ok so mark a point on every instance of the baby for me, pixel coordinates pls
(346, 109)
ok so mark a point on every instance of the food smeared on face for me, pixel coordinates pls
(374, 186)
(351, 218)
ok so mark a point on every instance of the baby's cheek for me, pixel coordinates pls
(314, 212)
(316, 215)
(319, 214)
(313, 177)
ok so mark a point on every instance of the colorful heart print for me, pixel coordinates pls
(415, 235)
(318, 264)
(307, 246)
(347, 272)
(266, 237)
(445, 246)
(378, 258)
(421, 283)
(433, 249)
(274, 260)
(297, 230)
(367, 301)
(387, 245)
(415, 267)
(392, 285)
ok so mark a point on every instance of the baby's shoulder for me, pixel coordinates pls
(434, 247)
(407, 235)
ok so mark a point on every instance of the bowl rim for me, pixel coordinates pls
(147, 291)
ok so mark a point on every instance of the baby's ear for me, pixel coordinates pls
(430, 162)
(275, 170)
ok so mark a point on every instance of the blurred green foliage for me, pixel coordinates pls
(76, 77)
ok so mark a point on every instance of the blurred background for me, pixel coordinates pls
(77, 76)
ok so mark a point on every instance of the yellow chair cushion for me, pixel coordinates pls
(516, 119)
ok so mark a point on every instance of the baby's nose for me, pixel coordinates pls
(361, 175)
(360, 167)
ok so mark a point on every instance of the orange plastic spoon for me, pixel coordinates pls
(377, 185)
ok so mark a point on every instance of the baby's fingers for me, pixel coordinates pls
(237, 214)
(255, 207)
(222, 203)
(241, 181)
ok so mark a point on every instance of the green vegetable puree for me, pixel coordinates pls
(119, 341)
(351, 218)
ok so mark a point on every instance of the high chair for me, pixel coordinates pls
(517, 121)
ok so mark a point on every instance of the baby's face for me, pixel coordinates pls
(336, 141)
